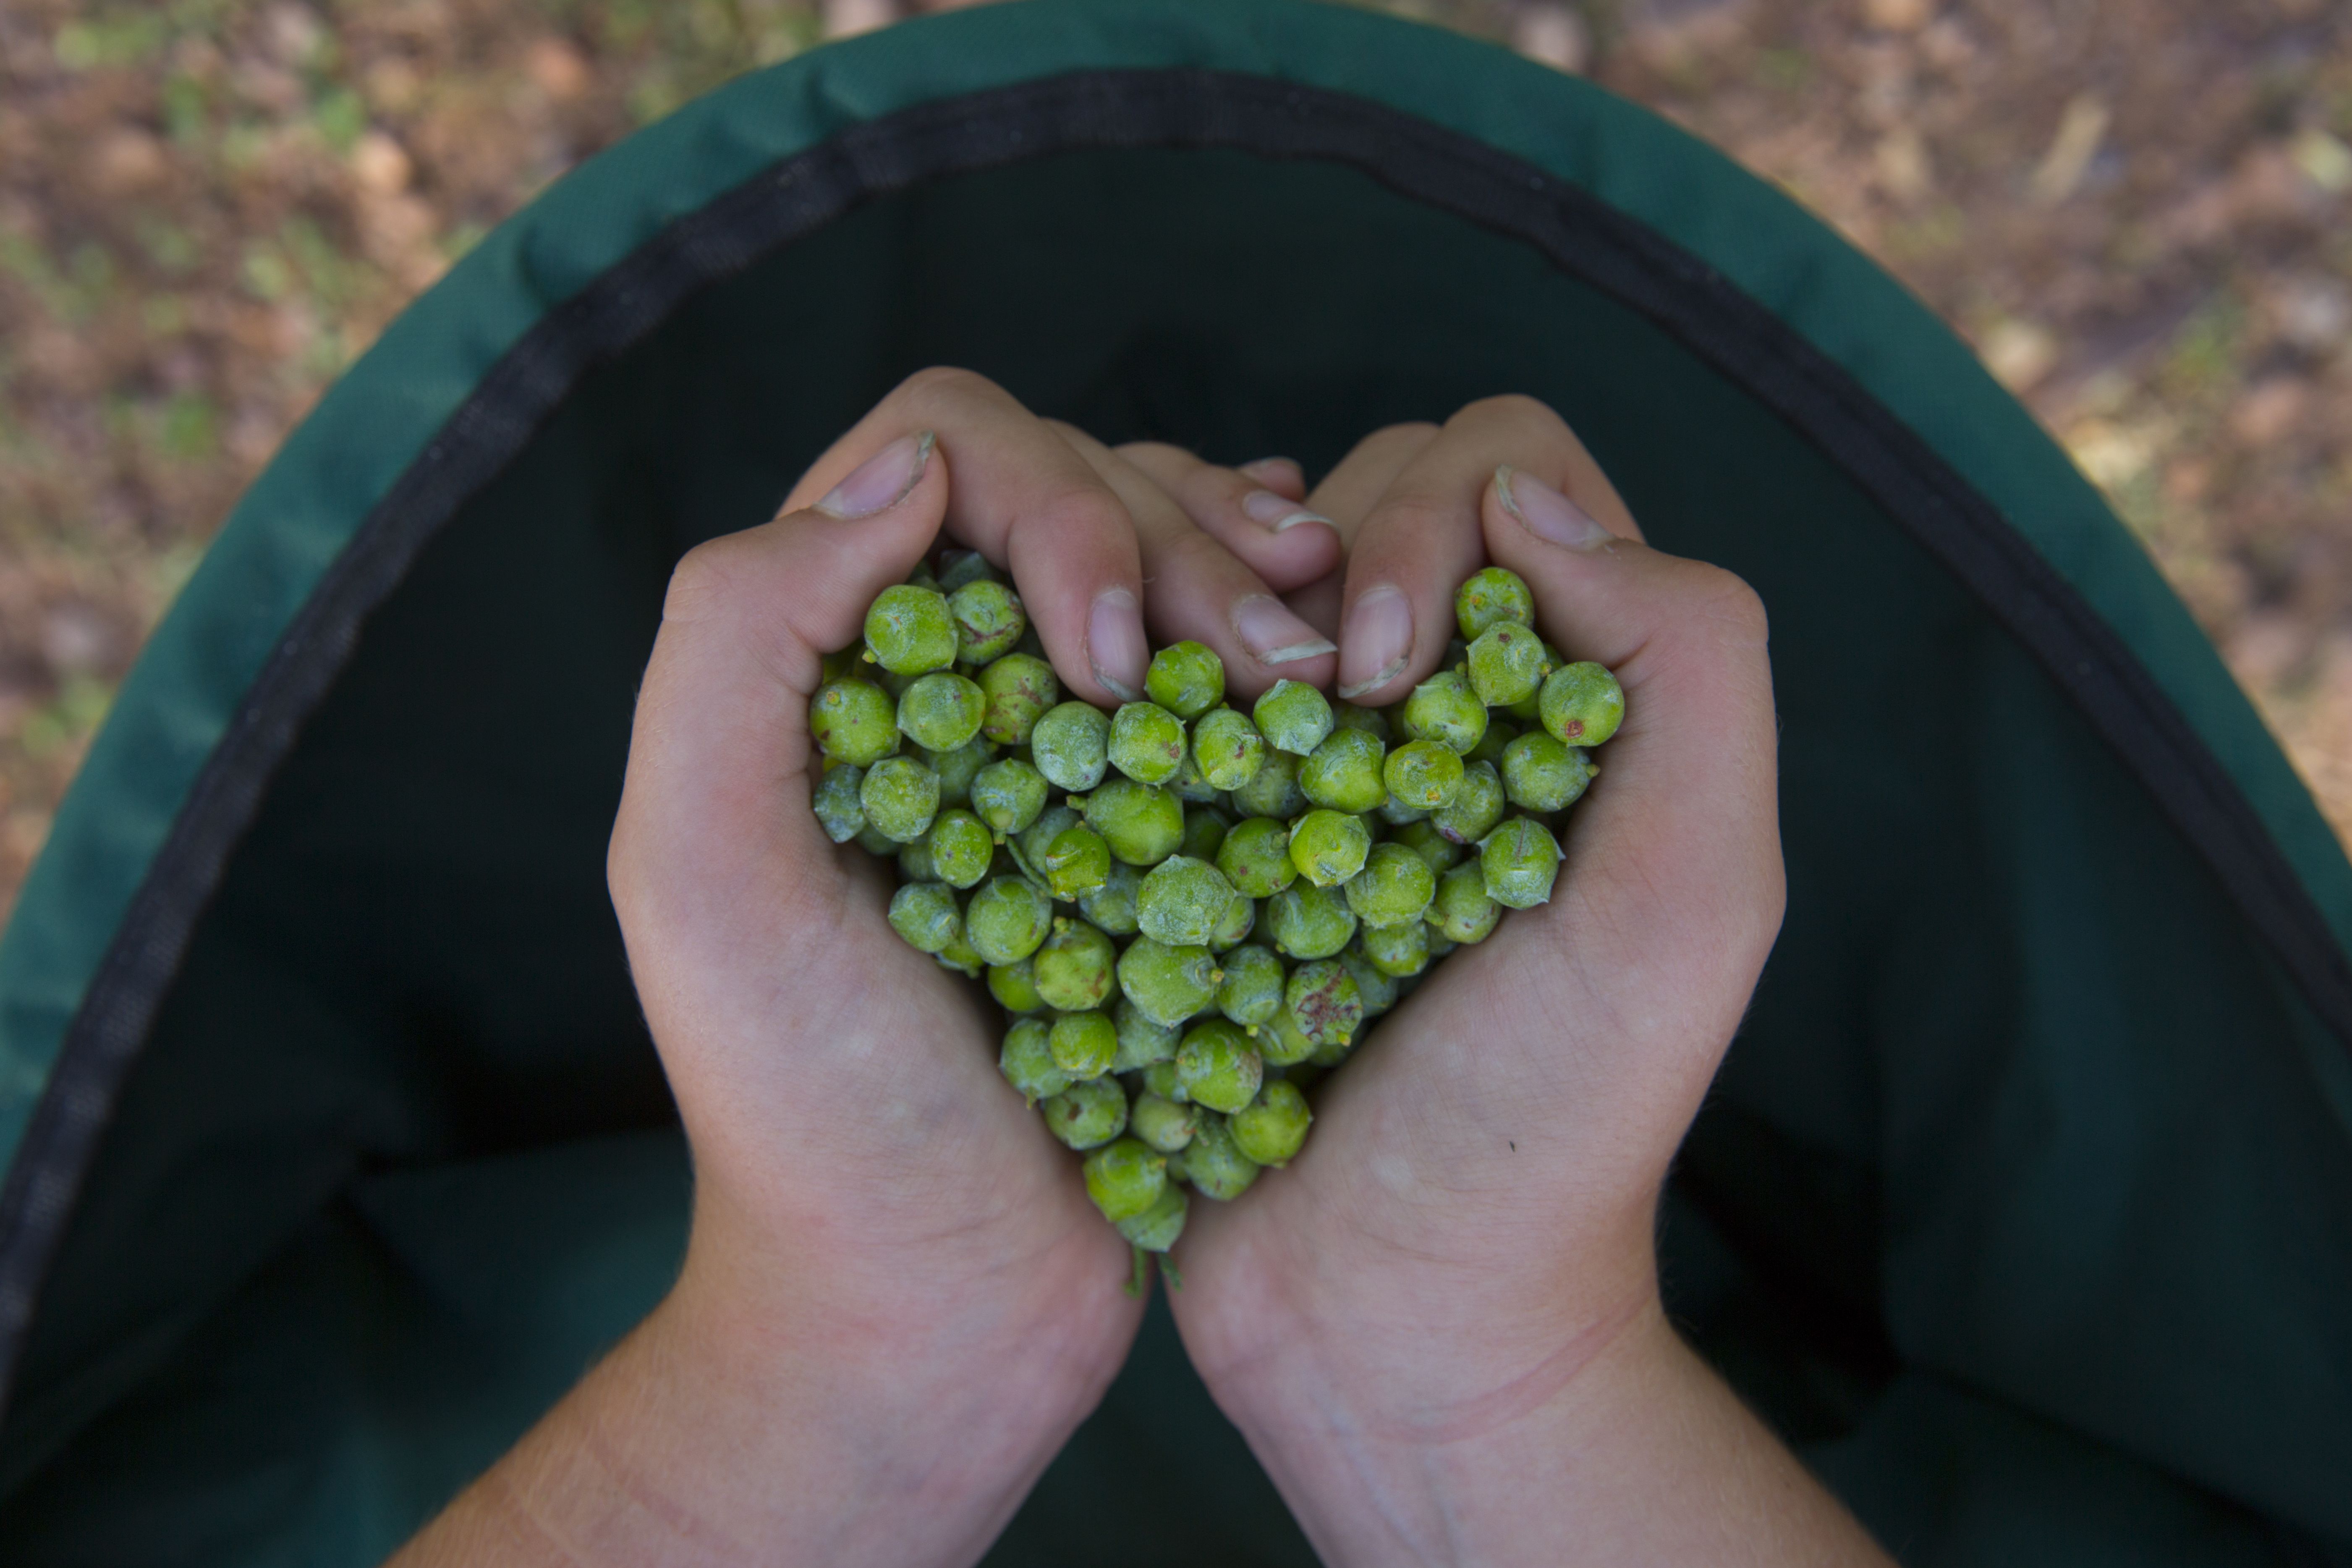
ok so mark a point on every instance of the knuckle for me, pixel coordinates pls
(1418, 520)
(943, 386)
(706, 582)
(1075, 514)
(1724, 601)
(1411, 436)
(1515, 412)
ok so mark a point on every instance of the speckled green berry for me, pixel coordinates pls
(1400, 950)
(940, 711)
(1375, 986)
(1234, 926)
(1256, 857)
(1307, 922)
(1167, 984)
(1475, 807)
(1032, 843)
(989, 621)
(1215, 1163)
(1462, 911)
(958, 768)
(1143, 824)
(1425, 774)
(959, 567)
(900, 796)
(909, 630)
(1158, 1228)
(1007, 920)
(960, 847)
(1077, 862)
(838, 809)
(1182, 902)
(1439, 852)
(1014, 986)
(1111, 907)
(1519, 860)
(1293, 717)
(1275, 791)
(874, 842)
(1444, 709)
(914, 861)
(1344, 773)
(1227, 748)
(1027, 1061)
(1187, 678)
(1493, 595)
(1125, 1177)
(1329, 847)
(1394, 888)
(1271, 1129)
(1142, 1042)
(1527, 711)
(1506, 665)
(1020, 689)
(1280, 1043)
(1218, 1066)
(1070, 745)
(1160, 1077)
(1252, 992)
(1500, 733)
(1073, 968)
(1007, 794)
(962, 956)
(1540, 773)
(925, 914)
(853, 722)
(1087, 1115)
(1372, 721)
(1084, 1045)
(1582, 704)
(1204, 832)
(1323, 1000)
(1147, 743)
(1189, 785)
(1165, 1124)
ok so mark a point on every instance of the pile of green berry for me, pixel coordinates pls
(1190, 912)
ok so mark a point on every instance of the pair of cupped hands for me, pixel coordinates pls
(1440, 1326)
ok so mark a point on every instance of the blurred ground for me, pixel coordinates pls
(2139, 210)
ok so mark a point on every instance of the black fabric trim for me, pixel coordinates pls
(1137, 109)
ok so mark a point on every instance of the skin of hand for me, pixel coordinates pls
(1440, 1326)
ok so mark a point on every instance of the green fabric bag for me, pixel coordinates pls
(337, 1149)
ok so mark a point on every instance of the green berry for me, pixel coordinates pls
(1344, 773)
(915, 864)
(1218, 1067)
(1027, 1062)
(1280, 1043)
(1142, 1042)
(1394, 890)
(1007, 794)
(958, 768)
(1307, 922)
(909, 630)
(1475, 807)
(872, 839)
(1493, 596)
(1126, 1178)
(1160, 1077)
(960, 567)
(1506, 665)
(1087, 1115)
(1323, 1000)
(1143, 824)
(925, 914)
(1422, 775)
(1183, 901)
(940, 711)
(1077, 862)
(1395, 813)
(1167, 984)
(1275, 791)
(962, 956)
(1215, 1163)
(1462, 911)
(1157, 1228)
(960, 847)
(853, 722)
(838, 810)
(1014, 986)
(1252, 992)
(1370, 722)
(1019, 688)
(1234, 926)
(1375, 986)
(1032, 843)
(1111, 907)
(1271, 1128)
(900, 796)
(1204, 832)
(1187, 679)
(989, 620)
(1084, 1045)
(1540, 773)
(1070, 745)
(1072, 969)
(1256, 858)
(1329, 847)
(1440, 853)
(1529, 709)
(1190, 785)
(1293, 717)
(1147, 743)
(1519, 860)
(1007, 920)
(1444, 708)
(1400, 950)
(1227, 748)
(1165, 1124)
(1581, 705)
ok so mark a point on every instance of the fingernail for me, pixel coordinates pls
(1115, 644)
(1275, 635)
(882, 480)
(1545, 512)
(1277, 512)
(1374, 643)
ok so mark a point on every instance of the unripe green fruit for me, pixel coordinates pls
(1204, 832)
(1394, 813)
(1372, 721)
(1125, 1178)
(838, 810)
(958, 568)
(1111, 907)
(1394, 890)
(1344, 773)
(1147, 743)
(1077, 862)
(1519, 860)
(874, 842)
(1014, 986)
(1073, 969)
(1187, 679)
(1157, 1228)
(1540, 773)
(1423, 775)
(1275, 791)
(958, 768)
(1218, 1067)
(1476, 806)
(900, 796)
(1183, 901)
(1035, 842)
(1293, 717)
(1271, 1129)
(1280, 1043)
(1376, 988)
(962, 956)
(1252, 991)
(1329, 847)
(1160, 1079)
(1087, 1115)
(1143, 824)
(1084, 1045)
(1019, 689)
(1164, 1124)
(960, 847)
(1444, 709)
(1240, 919)
(1500, 733)
(1071, 745)
(1307, 922)
(1190, 785)
(1167, 984)
(853, 722)
(909, 630)
(1401, 951)
(1506, 664)
(1227, 748)
(1007, 920)
(989, 620)
(1008, 795)
(1582, 704)
(1027, 1061)
(1256, 858)
(1493, 595)
(1440, 853)
(1142, 1043)
(1215, 1163)
(940, 711)
(1323, 1000)
(1462, 910)
(915, 864)
(925, 914)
